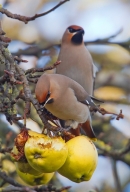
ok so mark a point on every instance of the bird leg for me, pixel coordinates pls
(61, 129)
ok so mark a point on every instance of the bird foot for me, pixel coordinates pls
(61, 130)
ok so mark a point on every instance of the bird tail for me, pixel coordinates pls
(87, 127)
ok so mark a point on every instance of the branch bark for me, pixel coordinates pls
(26, 19)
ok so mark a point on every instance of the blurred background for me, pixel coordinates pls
(37, 42)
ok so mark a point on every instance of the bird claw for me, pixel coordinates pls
(61, 130)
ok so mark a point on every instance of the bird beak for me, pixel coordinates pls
(79, 32)
(49, 101)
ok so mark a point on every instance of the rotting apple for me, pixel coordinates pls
(45, 153)
(81, 161)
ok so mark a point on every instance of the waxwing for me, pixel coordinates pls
(65, 99)
(76, 62)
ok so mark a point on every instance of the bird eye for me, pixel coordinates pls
(71, 30)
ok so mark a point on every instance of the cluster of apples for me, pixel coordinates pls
(75, 159)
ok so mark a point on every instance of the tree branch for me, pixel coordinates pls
(33, 70)
(107, 150)
(8, 179)
(5, 150)
(116, 177)
(37, 50)
(27, 19)
(15, 186)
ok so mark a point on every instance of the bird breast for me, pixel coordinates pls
(68, 108)
(76, 63)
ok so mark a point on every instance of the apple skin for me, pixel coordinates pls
(81, 161)
(33, 180)
(44, 153)
(26, 168)
(23, 165)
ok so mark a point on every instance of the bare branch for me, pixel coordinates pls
(116, 177)
(6, 150)
(15, 186)
(104, 112)
(125, 44)
(33, 70)
(37, 50)
(106, 150)
(27, 19)
(11, 188)
(8, 179)
(5, 39)
(16, 58)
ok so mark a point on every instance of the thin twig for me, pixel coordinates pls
(37, 50)
(116, 177)
(11, 188)
(16, 58)
(107, 150)
(33, 70)
(8, 179)
(27, 19)
(104, 112)
(125, 44)
(6, 150)
(5, 39)
(15, 186)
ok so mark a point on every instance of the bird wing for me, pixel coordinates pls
(95, 70)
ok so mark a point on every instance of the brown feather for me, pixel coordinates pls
(89, 130)
(75, 132)
(41, 91)
(76, 27)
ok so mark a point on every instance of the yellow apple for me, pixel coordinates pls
(45, 153)
(22, 164)
(33, 180)
(26, 168)
(81, 161)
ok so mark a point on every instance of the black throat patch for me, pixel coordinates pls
(77, 38)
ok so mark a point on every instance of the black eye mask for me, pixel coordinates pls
(71, 30)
